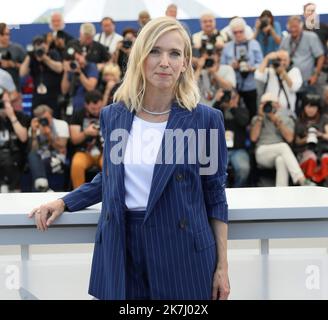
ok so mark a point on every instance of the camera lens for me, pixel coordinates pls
(267, 108)
(73, 65)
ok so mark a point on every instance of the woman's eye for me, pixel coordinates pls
(154, 51)
(176, 53)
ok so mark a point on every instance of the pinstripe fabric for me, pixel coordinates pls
(180, 251)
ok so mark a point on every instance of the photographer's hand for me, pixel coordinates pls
(91, 131)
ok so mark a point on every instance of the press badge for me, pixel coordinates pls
(229, 135)
(41, 89)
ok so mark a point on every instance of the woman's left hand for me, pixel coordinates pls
(221, 285)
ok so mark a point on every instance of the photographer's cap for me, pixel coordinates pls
(269, 97)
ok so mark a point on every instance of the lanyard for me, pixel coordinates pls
(294, 45)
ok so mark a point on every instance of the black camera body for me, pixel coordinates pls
(74, 65)
(276, 63)
(2, 105)
(268, 107)
(39, 51)
(44, 122)
(226, 96)
(126, 44)
(265, 21)
(5, 55)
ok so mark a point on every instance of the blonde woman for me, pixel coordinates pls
(162, 233)
(111, 77)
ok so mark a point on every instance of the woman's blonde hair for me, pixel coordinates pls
(132, 89)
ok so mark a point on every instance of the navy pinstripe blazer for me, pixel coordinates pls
(181, 254)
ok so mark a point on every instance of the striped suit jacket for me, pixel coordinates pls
(181, 253)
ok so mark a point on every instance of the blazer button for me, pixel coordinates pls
(179, 177)
(183, 223)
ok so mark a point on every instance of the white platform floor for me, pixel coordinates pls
(297, 269)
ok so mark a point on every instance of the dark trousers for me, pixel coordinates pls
(10, 168)
(137, 286)
(250, 99)
(38, 167)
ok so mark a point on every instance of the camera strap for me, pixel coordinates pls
(281, 87)
(294, 45)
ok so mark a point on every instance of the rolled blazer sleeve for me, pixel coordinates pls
(89, 193)
(214, 185)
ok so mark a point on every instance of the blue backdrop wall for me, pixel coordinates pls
(25, 33)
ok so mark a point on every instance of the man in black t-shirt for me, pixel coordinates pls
(86, 137)
(45, 67)
(13, 143)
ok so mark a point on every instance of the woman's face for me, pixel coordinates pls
(109, 77)
(311, 111)
(165, 62)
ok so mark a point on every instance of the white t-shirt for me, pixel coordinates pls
(274, 87)
(140, 156)
(110, 41)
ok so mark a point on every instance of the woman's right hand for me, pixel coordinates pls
(47, 213)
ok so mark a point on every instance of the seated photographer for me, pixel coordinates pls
(13, 142)
(280, 79)
(311, 140)
(267, 32)
(80, 76)
(86, 137)
(11, 55)
(236, 119)
(48, 142)
(111, 77)
(211, 75)
(245, 57)
(123, 49)
(208, 34)
(45, 68)
(95, 51)
(272, 130)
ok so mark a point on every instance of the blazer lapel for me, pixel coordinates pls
(179, 118)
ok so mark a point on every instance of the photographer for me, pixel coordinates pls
(86, 137)
(273, 131)
(211, 75)
(244, 56)
(267, 32)
(45, 68)
(108, 37)
(280, 79)
(123, 49)
(13, 138)
(311, 142)
(48, 141)
(95, 51)
(208, 34)
(236, 119)
(79, 77)
(11, 55)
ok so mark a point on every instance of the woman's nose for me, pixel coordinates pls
(164, 62)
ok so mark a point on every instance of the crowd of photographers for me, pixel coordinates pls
(271, 87)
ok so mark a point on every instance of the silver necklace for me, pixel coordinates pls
(155, 113)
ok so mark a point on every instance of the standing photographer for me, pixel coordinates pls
(273, 131)
(80, 76)
(236, 119)
(280, 79)
(13, 138)
(11, 55)
(267, 32)
(45, 68)
(245, 57)
(311, 142)
(211, 75)
(48, 141)
(86, 137)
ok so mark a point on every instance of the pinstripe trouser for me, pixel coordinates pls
(137, 286)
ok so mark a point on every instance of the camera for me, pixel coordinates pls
(43, 122)
(265, 21)
(243, 65)
(268, 107)
(5, 55)
(226, 97)
(74, 65)
(2, 105)
(126, 44)
(276, 63)
(312, 137)
(39, 51)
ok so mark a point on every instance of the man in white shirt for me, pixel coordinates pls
(108, 37)
(280, 79)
